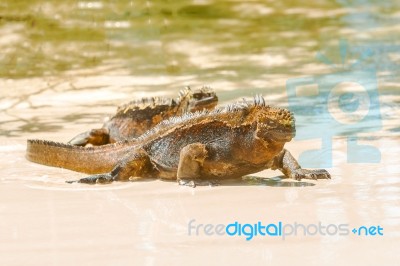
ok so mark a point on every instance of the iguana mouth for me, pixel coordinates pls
(283, 135)
(204, 103)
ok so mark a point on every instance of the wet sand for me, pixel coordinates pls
(45, 221)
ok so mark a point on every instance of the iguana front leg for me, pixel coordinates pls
(288, 165)
(134, 166)
(191, 159)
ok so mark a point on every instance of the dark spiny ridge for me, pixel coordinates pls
(169, 123)
(144, 103)
(154, 101)
(259, 100)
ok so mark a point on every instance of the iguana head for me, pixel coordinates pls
(276, 124)
(204, 98)
(198, 100)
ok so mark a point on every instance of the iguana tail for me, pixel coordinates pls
(90, 160)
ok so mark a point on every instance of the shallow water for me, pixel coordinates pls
(64, 67)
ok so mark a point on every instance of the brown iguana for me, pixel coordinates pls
(228, 142)
(136, 117)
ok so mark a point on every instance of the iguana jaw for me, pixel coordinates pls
(204, 103)
(275, 134)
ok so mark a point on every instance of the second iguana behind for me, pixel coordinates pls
(136, 117)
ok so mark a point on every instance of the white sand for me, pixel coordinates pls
(44, 221)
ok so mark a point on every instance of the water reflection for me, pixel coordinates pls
(50, 40)
(271, 182)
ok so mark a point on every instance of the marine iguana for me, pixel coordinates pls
(228, 142)
(136, 117)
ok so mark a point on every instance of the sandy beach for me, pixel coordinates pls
(335, 64)
(47, 221)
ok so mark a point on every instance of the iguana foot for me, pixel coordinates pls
(291, 168)
(94, 179)
(95, 137)
(310, 174)
(134, 166)
(197, 182)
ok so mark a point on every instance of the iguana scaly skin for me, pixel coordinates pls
(136, 117)
(228, 142)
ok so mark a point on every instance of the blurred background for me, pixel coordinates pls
(93, 55)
